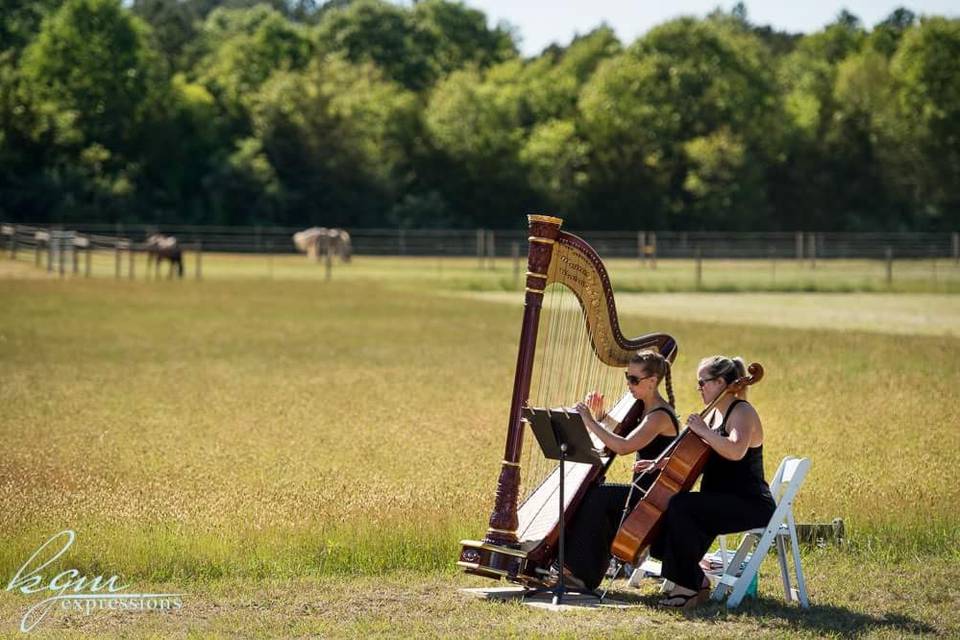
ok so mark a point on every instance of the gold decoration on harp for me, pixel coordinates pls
(574, 269)
(541, 240)
(536, 217)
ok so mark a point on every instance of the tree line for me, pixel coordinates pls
(363, 113)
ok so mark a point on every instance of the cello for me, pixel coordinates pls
(687, 456)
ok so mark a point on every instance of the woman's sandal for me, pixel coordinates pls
(685, 601)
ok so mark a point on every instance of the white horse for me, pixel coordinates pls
(316, 241)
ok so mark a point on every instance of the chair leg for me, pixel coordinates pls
(635, 578)
(740, 587)
(733, 567)
(619, 568)
(795, 547)
(784, 568)
(637, 574)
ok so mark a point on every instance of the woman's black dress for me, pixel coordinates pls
(592, 529)
(733, 497)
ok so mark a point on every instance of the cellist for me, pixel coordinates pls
(733, 496)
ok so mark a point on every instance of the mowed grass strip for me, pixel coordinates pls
(895, 313)
(907, 599)
(217, 429)
(941, 275)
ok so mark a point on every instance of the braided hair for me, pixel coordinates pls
(656, 365)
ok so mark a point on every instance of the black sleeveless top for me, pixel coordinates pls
(743, 477)
(654, 449)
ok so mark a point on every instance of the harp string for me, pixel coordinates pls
(566, 368)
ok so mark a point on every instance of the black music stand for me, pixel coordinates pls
(562, 436)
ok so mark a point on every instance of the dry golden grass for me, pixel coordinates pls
(288, 428)
(258, 444)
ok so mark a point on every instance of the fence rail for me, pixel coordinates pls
(504, 242)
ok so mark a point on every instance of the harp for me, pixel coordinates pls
(579, 349)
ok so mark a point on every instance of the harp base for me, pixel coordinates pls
(496, 562)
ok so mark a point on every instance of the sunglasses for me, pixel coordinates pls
(702, 383)
(634, 380)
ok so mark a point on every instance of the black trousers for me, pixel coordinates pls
(591, 531)
(692, 522)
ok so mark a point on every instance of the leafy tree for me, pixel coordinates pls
(92, 81)
(452, 36)
(245, 46)
(173, 26)
(887, 33)
(91, 59)
(685, 80)
(476, 123)
(21, 22)
(554, 79)
(556, 161)
(333, 135)
(414, 47)
(927, 81)
(825, 147)
(379, 32)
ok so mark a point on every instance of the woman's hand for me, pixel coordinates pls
(584, 412)
(594, 401)
(642, 466)
(696, 424)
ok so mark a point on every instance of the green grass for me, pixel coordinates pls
(727, 276)
(240, 430)
(417, 604)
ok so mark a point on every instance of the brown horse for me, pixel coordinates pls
(160, 247)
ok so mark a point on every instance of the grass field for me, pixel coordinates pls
(303, 456)
(939, 275)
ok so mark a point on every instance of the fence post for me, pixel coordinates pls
(61, 253)
(132, 255)
(491, 250)
(652, 248)
(116, 256)
(481, 247)
(888, 255)
(76, 258)
(50, 252)
(698, 256)
(799, 242)
(641, 247)
(956, 247)
(515, 254)
(328, 260)
(199, 259)
(812, 249)
(270, 258)
(772, 250)
(87, 259)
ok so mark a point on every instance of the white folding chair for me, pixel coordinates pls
(786, 482)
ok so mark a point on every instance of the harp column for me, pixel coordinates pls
(544, 231)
